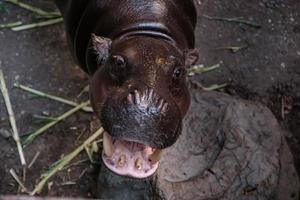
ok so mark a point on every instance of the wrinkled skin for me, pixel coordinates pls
(230, 149)
(137, 53)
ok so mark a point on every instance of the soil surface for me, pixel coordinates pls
(265, 68)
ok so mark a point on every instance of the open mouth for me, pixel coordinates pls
(129, 158)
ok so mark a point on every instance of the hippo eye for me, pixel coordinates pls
(118, 69)
(178, 73)
(119, 61)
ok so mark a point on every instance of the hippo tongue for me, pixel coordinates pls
(129, 158)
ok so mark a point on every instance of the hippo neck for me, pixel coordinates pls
(146, 29)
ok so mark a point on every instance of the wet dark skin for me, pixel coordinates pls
(136, 53)
(150, 64)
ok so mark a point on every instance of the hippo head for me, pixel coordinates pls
(140, 95)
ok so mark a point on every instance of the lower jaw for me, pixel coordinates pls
(128, 170)
(131, 159)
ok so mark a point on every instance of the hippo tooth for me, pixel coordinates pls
(138, 163)
(122, 160)
(156, 156)
(108, 146)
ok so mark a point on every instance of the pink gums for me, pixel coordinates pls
(130, 159)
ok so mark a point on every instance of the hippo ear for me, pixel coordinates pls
(191, 57)
(101, 47)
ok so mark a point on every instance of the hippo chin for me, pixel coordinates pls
(136, 53)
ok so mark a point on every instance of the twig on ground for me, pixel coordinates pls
(234, 49)
(12, 118)
(90, 149)
(73, 164)
(84, 90)
(34, 9)
(15, 176)
(215, 87)
(55, 98)
(82, 173)
(10, 25)
(68, 183)
(24, 173)
(88, 152)
(43, 119)
(198, 85)
(64, 161)
(99, 141)
(34, 159)
(238, 20)
(37, 25)
(200, 69)
(32, 136)
(52, 15)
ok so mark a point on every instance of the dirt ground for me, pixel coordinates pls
(266, 69)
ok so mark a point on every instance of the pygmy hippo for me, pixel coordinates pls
(136, 53)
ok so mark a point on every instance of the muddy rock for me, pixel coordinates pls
(229, 149)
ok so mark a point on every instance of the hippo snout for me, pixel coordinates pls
(138, 125)
(142, 116)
